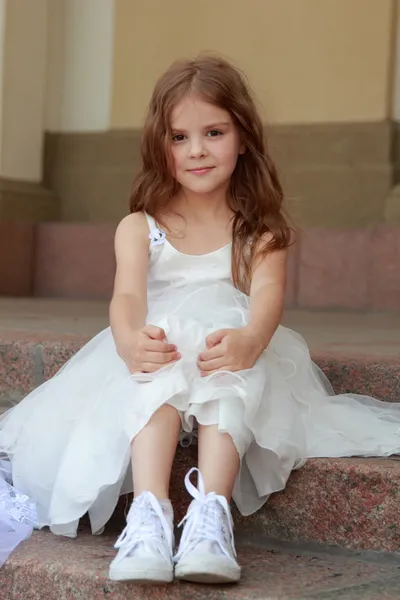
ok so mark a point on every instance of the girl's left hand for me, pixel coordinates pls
(230, 350)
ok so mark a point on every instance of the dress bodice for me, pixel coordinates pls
(170, 267)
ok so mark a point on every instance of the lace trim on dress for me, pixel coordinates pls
(18, 515)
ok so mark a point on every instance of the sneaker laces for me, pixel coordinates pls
(146, 522)
(203, 520)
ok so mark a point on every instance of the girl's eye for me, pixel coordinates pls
(214, 133)
(179, 137)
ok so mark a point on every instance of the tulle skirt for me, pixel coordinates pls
(69, 440)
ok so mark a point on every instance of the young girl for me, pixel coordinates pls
(195, 342)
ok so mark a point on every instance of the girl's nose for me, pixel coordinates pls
(197, 149)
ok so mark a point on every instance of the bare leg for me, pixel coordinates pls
(207, 549)
(218, 460)
(145, 548)
(153, 451)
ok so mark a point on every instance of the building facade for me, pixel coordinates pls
(77, 75)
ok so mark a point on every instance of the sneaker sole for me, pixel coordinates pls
(207, 575)
(141, 576)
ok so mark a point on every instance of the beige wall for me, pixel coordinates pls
(308, 60)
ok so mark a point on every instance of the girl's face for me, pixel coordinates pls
(205, 145)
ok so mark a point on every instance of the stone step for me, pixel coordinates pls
(54, 568)
(348, 503)
(30, 358)
(345, 502)
(320, 274)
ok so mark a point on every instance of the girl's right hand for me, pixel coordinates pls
(147, 350)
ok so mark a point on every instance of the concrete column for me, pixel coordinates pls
(23, 48)
(79, 88)
(392, 202)
(396, 62)
(23, 69)
(392, 205)
(2, 48)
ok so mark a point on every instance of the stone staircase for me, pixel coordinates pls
(320, 275)
(333, 533)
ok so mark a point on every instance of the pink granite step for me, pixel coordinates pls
(351, 503)
(320, 274)
(27, 359)
(63, 569)
(345, 502)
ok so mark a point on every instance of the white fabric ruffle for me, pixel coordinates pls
(69, 440)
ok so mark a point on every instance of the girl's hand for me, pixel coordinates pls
(147, 350)
(230, 350)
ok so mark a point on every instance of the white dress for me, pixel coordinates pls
(69, 440)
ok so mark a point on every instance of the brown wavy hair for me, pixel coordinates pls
(255, 195)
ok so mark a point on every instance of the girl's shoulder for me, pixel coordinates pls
(131, 248)
(134, 222)
(132, 229)
(139, 230)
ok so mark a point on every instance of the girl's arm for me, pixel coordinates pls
(238, 349)
(267, 294)
(143, 348)
(128, 308)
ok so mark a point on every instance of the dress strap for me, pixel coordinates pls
(156, 236)
(150, 221)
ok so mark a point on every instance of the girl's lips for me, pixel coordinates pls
(200, 170)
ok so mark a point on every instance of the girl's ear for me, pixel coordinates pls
(242, 148)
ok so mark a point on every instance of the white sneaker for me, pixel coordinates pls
(207, 549)
(146, 544)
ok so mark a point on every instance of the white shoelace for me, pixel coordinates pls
(203, 520)
(146, 522)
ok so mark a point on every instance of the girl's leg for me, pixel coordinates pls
(218, 460)
(207, 549)
(146, 544)
(153, 451)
